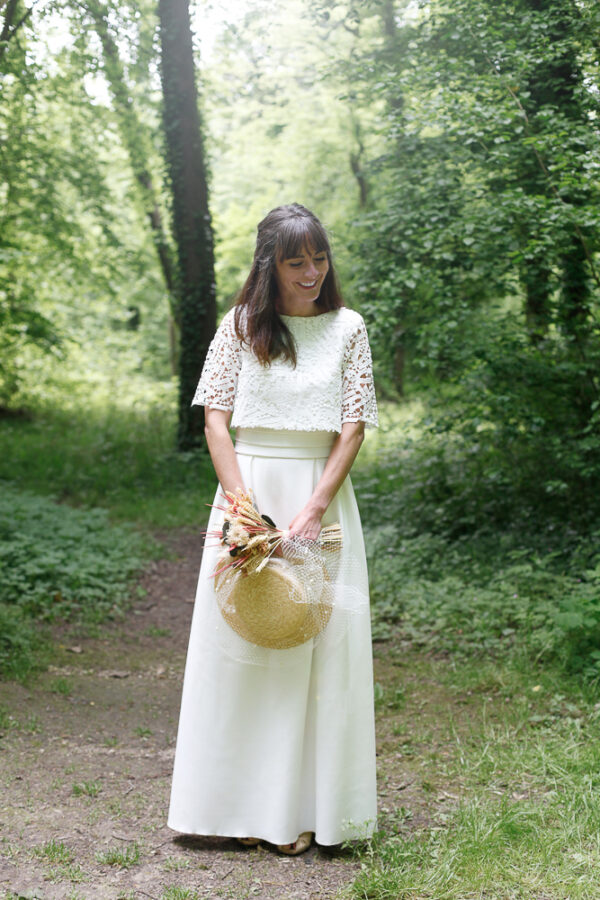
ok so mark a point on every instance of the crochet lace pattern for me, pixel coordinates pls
(332, 382)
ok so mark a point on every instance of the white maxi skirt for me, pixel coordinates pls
(284, 743)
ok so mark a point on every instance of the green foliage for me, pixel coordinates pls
(21, 646)
(76, 263)
(7, 721)
(524, 607)
(503, 763)
(477, 261)
(57, 564)
(274, 84)
(142, 732)
(464, 562)
(88, 448)
(174, 892)
(54, 851)
(86, 789)
(121, 858)
(61, 686)
(60, 563)
(527, 429)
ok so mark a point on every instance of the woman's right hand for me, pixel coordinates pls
(221, 449)
(307, 524)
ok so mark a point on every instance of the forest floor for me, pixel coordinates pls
(86, 755)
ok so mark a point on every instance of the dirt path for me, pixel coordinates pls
(86, 756)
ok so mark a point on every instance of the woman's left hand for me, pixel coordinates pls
(307, 524)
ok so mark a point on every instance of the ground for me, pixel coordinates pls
(86, 754)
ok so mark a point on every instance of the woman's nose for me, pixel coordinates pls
(311, 270)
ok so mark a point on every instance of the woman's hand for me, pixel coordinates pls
(307, 524)
(221, 449)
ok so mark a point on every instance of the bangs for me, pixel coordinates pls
(298, 233)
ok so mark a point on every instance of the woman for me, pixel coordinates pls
(278, 745)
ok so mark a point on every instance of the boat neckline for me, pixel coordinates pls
(319, 316)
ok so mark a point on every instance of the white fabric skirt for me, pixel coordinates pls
(286, 743)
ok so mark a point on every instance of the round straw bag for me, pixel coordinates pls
(281, 606)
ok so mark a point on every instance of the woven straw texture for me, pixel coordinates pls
(273, 608)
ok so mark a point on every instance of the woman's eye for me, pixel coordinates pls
(296, 265)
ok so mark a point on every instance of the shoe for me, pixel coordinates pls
(300, 845)
(248, 842)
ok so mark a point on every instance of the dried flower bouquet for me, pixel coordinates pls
(252, 539)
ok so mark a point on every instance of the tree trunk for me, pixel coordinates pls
(191, 217)
(535, 277)
(136, 142)
(392, 46)
(15, 17)
(556, 83)
(357, 165)
(574, 303)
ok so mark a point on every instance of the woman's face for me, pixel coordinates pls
(299, 282)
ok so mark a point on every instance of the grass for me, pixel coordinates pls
(156, 631)
(7, 721)
(86, 789)
(60, 860)
(54, 852)
(119, 458)
(118, 857)
(175, 864)
(504, 764)
(179, 893)
(61, 686)
(142, 732)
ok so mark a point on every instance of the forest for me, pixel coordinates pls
(452, 151)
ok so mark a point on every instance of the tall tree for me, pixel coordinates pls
(486, 187)
(136, 139)
(191, 216)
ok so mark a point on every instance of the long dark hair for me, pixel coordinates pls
(282, 234)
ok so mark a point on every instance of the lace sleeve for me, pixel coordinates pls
(218, 382)
(358, 391)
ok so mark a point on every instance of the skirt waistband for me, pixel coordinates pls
(284, 444)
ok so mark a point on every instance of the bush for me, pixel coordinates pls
(58, 563)
(463, 555)
(436, 599)
(19, 642)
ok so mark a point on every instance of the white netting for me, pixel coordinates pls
(275, 615)
(277, 594)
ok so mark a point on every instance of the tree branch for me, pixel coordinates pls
(10, 28)
(545, 171)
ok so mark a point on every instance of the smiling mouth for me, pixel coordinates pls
(308, 284)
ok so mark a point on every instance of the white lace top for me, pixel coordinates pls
(332, 382)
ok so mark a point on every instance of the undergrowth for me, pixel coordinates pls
(457, 568)
(58, 564)
(64, 469)
(436, 595)
(118, 457)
